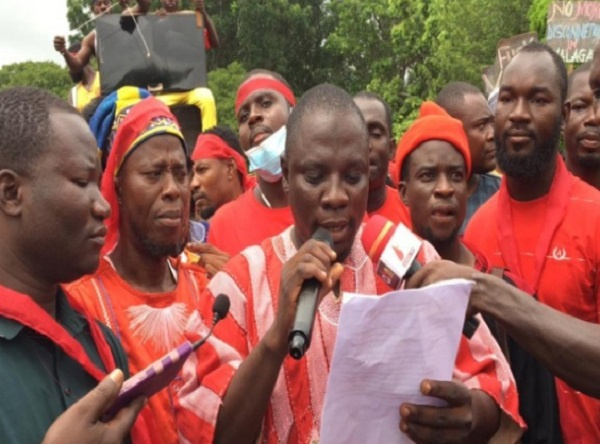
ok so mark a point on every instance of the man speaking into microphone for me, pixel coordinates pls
(244, 385)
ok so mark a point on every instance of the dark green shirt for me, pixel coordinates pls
(38, 381)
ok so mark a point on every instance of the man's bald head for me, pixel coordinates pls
(326, 166)
(452, 97)
(585, 68)
(325, 98)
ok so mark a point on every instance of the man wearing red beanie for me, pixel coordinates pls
(434, 185)
(434, 162)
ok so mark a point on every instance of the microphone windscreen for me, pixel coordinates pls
(221, 306)
(323, 235)
(376, 234)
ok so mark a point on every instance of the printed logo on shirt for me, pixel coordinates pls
(560, 254)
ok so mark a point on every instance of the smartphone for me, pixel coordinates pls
(152, 379)
(160, 373)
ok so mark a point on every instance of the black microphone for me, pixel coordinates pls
(299, 338)
(160, 373)
(220, 309)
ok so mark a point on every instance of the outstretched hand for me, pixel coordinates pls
(431, 424)
(439, 270)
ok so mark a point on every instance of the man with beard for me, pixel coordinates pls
(435, 162)
(220, 173)
(263, 104)
(544, 223)
(139, 291)
(243, 386)
(383, 199)
(467, 103)
(582, 128)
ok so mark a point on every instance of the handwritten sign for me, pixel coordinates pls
(505, 51)
(574, 29)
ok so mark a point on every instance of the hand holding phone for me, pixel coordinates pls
(160, 373)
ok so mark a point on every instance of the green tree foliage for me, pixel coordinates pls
(45, 75)
(223, 13)
(379, 45)
(538, 15)
(224, 83)
(284, 36)
(464, 45)
(362, 40)
(78, 12)
(405, 50)
(408, 50)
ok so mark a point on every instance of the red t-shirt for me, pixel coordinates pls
(393, 208)
(244, 222)
(570, 277)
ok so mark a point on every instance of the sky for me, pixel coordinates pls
(26, 32)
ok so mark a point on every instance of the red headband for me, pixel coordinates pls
(211, 146)
(433, 123)
(256, 83)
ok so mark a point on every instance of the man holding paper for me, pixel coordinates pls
(243, 386)
(435, 164)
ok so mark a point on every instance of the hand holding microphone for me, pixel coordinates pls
(305, 278)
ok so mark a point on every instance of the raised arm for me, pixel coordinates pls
(213, 37)
(141, 6)
(76, 62)
(567, 346)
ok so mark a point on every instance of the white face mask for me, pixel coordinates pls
(265, 159)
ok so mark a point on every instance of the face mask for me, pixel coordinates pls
(265, 159)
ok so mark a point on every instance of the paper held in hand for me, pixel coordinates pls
(385, 346)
